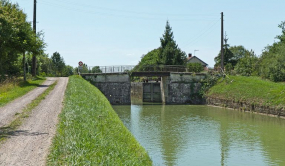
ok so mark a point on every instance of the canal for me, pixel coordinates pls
(203, 135)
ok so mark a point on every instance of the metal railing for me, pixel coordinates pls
(132, 68)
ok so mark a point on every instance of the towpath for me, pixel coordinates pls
(29, 144)
(9, 111)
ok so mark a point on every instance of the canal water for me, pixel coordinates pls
(203, 135)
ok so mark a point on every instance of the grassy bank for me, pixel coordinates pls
(91, 133)
(9, 130)
(14, 88)
(252, 90)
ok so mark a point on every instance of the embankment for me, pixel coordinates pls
(91, 133)
(248, 94)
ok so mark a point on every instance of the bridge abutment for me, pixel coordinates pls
(115, 86)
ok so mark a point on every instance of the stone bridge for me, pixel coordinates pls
(171, 88)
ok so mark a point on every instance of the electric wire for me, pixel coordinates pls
(205, 32)
(116, 14)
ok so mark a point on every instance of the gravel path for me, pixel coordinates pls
(16, 106)
(29, 145)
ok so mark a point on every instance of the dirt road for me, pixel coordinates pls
(16, 106)
(29, 145)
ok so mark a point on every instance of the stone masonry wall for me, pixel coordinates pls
(115, 86)
(117, 93)
(244, 106)
(183, 88)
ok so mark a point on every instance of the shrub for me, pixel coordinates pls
(195, 67)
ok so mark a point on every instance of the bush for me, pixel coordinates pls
(43, 74)
(195, 67)
(246, 65)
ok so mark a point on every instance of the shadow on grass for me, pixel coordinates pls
(7, 132)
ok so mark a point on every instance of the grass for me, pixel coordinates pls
(11, 89)
(10, 129)
(91, 133)
(252, 90)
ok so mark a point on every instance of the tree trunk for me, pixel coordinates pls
(24, 64)
(34, 66)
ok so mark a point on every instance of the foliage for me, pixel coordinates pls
(252, 90)
(247, 64)
(68, 71)
(96, 69)
(195, 67)
(272, 60)
(91, 133)
(150, 59)
(170, 54)
(58, 62)
(232, 55)
(167, 54)
(207, 83)
(16, 39)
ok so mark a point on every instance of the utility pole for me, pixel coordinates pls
(34, 60)
(222, 41)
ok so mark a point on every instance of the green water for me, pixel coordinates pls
(202, 135)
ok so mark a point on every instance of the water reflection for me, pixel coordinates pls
(201, 135)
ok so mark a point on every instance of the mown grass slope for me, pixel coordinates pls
(249, 89)
(14, 88)
(91, 133)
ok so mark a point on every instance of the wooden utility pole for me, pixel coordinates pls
(222, 41)
(34, 60)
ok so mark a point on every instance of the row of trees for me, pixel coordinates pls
(17, 38)
(18, 44)
(270, 65)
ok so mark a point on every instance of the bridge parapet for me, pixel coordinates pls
(132, 68)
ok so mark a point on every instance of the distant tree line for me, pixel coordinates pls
(269, 65)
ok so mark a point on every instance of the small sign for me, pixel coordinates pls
(80, 67)
(80, 63)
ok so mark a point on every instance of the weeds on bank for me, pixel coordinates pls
(13, 88)
(91, 133)
(10, 129)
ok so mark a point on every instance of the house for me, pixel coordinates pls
(194, 59)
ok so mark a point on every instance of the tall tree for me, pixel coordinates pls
(58, 62)
(170, 54)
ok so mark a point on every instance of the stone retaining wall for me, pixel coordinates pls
(244, 106)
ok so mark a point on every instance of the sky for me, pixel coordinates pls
(112, 32)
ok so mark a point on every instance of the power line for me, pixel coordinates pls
(132, 12)
(137, 16)
(204, 32)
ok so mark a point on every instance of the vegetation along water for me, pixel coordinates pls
(91, 133)
(203, 135)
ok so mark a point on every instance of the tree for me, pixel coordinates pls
(247, 64)
(17, 38)
(150, 59)
(231, 55)
(170, 54)
(271, 64)
(96, 69)
(68, 71)
(58, 62)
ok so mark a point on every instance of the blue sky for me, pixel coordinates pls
(109, 32)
